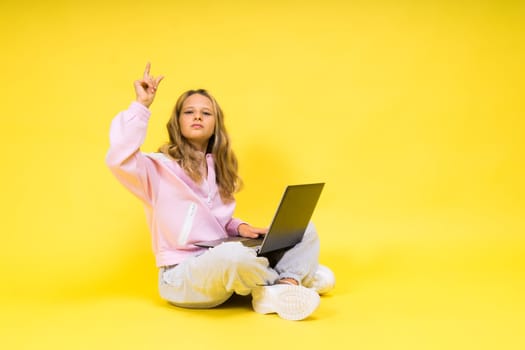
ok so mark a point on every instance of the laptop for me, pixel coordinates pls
(289, 222)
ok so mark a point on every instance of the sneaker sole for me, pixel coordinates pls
(292, 303)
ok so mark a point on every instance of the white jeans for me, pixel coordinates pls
(211, 278)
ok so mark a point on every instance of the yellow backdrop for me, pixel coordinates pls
(412, 112)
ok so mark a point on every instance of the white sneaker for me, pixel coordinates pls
(324, 280)
(288, 301)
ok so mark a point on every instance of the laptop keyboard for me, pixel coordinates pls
(251, 242)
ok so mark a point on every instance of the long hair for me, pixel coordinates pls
(191, 160)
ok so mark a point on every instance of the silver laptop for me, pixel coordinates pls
(288, 225)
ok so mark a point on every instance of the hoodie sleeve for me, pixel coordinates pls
(232, 227)
(132, 168)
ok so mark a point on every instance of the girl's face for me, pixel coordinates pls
(197, 120)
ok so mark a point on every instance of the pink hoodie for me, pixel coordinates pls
(179, 211)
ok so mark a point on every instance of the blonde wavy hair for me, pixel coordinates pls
(191, 160)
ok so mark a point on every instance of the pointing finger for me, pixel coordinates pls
(146, 71)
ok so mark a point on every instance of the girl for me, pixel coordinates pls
(188, 192)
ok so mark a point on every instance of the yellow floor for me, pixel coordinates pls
(436, 292)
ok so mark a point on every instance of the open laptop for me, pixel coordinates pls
(288, 225)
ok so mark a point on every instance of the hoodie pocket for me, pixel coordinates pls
(187, 224)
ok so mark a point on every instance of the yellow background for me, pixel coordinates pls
(412, 112)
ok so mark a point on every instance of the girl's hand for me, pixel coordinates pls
(146, 88)
(246, 230)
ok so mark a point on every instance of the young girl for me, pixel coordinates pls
(188, 192)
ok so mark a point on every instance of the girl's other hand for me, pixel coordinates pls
(146, 88)
(248, 231)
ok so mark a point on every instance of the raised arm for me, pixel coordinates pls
(127, 133)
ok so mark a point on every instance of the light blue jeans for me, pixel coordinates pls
(208, 280)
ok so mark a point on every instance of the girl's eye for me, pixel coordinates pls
(188, 112)
(207, 113)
